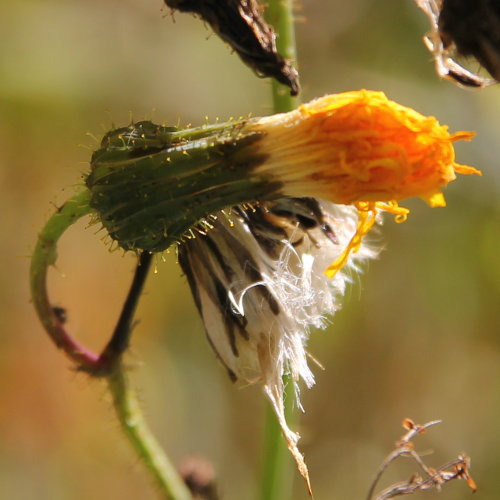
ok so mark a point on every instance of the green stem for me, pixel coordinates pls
(279, 467)
(108, 364)
(44, 256)
(280, 15)
(151, 454)
(278, 472)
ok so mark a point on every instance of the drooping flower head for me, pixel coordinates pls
(270, 215)
(153, 184)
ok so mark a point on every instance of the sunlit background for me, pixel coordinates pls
(418, 335)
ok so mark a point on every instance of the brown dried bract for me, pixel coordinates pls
(464, 28)
(240, 24)
(474, 28)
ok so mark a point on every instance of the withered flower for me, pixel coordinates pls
(468, 29)
(258, 280)
(241, 25)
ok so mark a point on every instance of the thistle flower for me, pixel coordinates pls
(305, 188)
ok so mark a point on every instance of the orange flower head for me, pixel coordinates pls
(361, 148)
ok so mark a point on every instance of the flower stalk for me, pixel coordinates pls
(108, 364)
(129, 413)
(44, 256)
(277, 475)
(279, 14)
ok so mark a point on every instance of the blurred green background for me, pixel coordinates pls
(418, 336)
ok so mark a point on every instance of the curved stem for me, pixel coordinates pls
(44, 256)
(277, 478)
(108, 364)
(279, 469)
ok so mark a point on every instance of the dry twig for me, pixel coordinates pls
(431, 478)
(240, 24)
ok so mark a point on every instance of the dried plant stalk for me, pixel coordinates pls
(429, 478)
(241, 25)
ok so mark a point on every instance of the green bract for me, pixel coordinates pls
(150, 184)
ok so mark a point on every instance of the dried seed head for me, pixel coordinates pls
(408, 424)
(464, 28)
(257, 279)
(241, 25)
(473, 28)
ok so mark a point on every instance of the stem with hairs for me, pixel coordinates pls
(108, 364)
(278, 469)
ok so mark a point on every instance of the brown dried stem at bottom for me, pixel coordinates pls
(432, 478)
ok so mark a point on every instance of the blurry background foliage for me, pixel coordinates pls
(418, 336)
